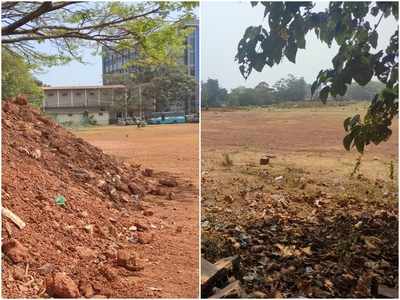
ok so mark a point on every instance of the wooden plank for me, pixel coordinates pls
(231, 264)
(211, 276)
(387, 292)
(208, 270)
(232, 290)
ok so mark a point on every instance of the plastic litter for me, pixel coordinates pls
(60, 200)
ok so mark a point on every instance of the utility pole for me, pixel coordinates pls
(140, 102)
(126, 102)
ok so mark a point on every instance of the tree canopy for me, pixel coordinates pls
(172, 85)
(16, 79)
(357, 59)
(212, 94)
(290, 88)
(149, 26)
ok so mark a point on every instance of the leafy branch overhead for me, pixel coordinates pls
(357, 59)
(69, 25)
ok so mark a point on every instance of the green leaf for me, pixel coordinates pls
(374, 11)
(346, 123)
(258, 62)
(323, 94)
(291, 51)
(359, 142)
(314, 86)
(347, 141)
(373, 39)
(361, 70)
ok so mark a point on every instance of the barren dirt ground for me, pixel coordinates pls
(171, 148)
(310, 137)
(300, 224)
(174, 149)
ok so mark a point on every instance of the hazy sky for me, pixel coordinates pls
(222, 26)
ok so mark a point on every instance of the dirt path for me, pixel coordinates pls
(172, 258)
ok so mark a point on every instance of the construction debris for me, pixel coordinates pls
(13, 217)
(219, 280)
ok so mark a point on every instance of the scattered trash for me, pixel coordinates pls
(264, 161)
(60, 200)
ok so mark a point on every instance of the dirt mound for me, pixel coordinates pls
(82, 208)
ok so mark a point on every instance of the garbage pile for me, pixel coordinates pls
(71, 215)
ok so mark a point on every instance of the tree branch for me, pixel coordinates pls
(42, 9)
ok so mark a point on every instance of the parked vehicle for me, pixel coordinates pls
(140, 122)
(193, 118)
(167, 120)
(131, 121)
(121, 121)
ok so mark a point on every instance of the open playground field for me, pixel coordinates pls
(309, 137)
(301, 224)
(171, 148)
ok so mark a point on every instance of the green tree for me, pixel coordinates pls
(290, 89)
(16, 79)
(212, 94)
(263, 93)
(151, 27)
(172, 85)
(367, 92)
(357, 59)
(243, 96)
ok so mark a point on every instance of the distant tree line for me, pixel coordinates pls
(291, 88)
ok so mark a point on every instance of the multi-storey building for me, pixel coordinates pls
(115, 65)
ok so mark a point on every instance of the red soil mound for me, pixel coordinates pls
(76, 249)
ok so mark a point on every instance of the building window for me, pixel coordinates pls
(100, 113)
(51, 95)
(64, 94)
(77, 94)
(69, 115)
(91, 93)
